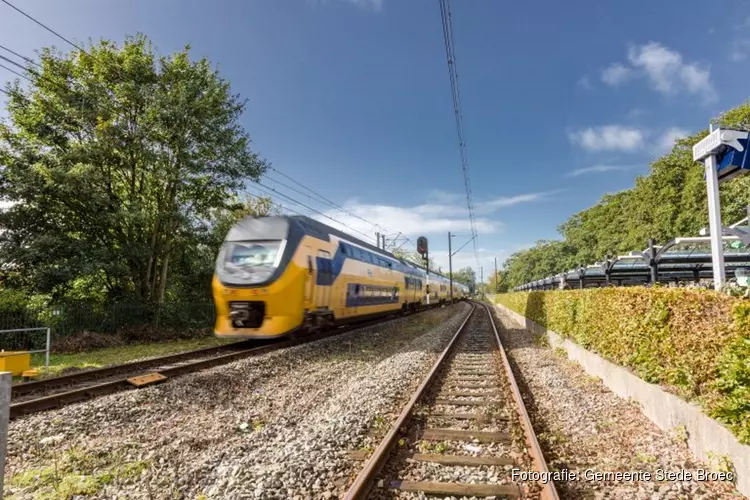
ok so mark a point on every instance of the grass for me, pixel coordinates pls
(77, 472)
(107, 356)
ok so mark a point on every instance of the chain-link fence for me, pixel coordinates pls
(69, 319)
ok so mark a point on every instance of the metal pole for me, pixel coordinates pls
(495, 274)
(6, 383)
(481, 278)
(714, 221)
(46, 359)
(450, 264)
(652, 261)
(377, 235)
(427, 266)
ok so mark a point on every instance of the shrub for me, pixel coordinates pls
(694, 342)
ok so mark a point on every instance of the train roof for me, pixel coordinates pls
(324, 229)
(277, 226)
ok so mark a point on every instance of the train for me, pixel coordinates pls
(281, 275)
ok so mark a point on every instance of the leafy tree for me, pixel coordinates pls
(119, 163)
(465, 276)
(668, 202)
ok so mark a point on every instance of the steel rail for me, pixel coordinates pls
(60, 399)
(540, 465)
(363, 483)
(49, 383)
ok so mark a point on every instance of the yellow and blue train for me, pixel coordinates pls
(283, 274)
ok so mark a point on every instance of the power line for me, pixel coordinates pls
(27, 59)
(42, 25)
(330, 203)
(326, 200)
(445, 16)
(314, 210)
(15, 72)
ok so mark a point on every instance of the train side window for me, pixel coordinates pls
(356, 289)
(343, 249)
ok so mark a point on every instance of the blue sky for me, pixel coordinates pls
(562, 101)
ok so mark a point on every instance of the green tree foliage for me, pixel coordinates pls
(465, 276)
(121, 165)
(668, 202)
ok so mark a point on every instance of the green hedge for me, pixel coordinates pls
(695, 343)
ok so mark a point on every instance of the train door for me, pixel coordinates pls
(324, 281)
(309, 277)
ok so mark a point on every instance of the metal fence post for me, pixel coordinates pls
(46, 354)
(6, 381)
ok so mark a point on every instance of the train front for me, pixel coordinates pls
(257, 288)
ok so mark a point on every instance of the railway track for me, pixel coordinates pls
(55, 392)
(463, 432)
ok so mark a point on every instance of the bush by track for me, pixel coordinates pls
(695, 343)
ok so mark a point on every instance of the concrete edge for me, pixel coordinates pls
(706, 436)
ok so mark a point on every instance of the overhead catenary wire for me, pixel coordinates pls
(331, 203)
(27, 59)
(58, 35)
(314, 210)
(326, 200)
(15, 72)
(445, 15)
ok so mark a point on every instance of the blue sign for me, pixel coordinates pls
(733, 162)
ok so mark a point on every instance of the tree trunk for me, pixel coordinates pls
(163, 277)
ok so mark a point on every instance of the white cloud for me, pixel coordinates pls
(509, 201)
(668, 73)
(608, 138)
(585, 83)
(666, 141)
(466, 258)
(410, 221)
(616, 74)
(598, 169)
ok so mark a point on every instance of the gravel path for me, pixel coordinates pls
(273, 426)
(582, 425)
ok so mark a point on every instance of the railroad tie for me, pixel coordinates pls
(465, 435)
(467, 394)
(470, 385)
(466, 460)
(459, 489)
(458, 402)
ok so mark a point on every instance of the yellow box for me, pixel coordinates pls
(15, 361)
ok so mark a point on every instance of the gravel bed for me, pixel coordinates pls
(277, 425)
(581, 426)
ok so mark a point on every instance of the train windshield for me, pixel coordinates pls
(250, 261)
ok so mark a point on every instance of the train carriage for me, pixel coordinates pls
(276, 275)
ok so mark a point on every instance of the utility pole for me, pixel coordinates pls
(481, 278)
(496, 275)
(377, 235)
(450, 264)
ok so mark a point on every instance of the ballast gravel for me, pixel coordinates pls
(582, 426)
(280, 425)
